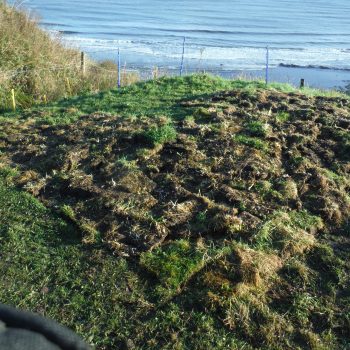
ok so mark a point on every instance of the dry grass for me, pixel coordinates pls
(40, 68)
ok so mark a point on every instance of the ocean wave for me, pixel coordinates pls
(259, 33)
(226, 57)
(311, 66)
(68, 32)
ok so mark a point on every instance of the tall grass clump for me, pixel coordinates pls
(39, 67)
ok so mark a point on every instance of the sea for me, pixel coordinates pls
(304, 38)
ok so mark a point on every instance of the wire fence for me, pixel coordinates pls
(124, 64)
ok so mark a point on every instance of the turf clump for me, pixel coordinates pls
(253, 142)
(289, 233)
(256, 128)
(158, 135)
(173, 264)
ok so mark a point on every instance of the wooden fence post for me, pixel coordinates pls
(13, 98)
(68, 86)
(302, 83)
(155, 73)
(82, 63)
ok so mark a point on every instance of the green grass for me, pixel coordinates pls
(288, 233)
(173, 264)
(253, 142)
(266, 190)
(307, 90)
(256, 128)
(158, 135)
(48, 270)
(151, 98)
(282, 117)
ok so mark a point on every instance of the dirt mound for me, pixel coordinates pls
(220, 171)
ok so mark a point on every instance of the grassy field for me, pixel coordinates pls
(181, 213)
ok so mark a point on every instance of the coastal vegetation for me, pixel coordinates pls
(179, 213)
(40, 68)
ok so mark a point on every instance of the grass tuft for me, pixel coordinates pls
(289, 233)
(253, 142)
(256, 128)
(158, 135)
(173, 264)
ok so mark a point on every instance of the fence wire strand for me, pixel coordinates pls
(187, 64)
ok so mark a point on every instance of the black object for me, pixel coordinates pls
(22, 330)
